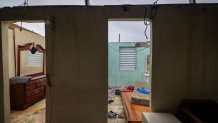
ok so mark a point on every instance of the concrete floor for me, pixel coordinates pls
(33, 114)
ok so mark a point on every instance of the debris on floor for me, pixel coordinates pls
(33, 114)
(110, 101)
(115, 107)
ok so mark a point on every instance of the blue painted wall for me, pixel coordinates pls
(119, 77)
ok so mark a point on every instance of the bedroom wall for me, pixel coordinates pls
(12, 72)
(184, 57)
(21, 38)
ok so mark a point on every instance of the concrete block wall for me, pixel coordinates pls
(184, 61)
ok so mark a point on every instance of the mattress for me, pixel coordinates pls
(138, 97)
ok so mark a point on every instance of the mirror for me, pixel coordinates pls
(30, 59)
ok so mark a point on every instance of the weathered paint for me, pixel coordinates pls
(117, 77)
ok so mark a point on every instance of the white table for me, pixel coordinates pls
(153, 117)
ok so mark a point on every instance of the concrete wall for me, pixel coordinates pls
(184, 61)
(119, 78)
(5, 73)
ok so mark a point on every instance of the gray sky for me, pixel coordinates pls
(95, 2)
(35, 27)
(130, 31)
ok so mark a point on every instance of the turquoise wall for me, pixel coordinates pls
(119, 77)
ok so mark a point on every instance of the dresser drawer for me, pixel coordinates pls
(41, 83)
(31, 83)
(35, 91)
(34, 97)
(30, 87)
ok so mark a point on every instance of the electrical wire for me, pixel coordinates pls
(153, 13)
(25, 4)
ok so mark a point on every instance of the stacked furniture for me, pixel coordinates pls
(26, 90)
(133, 112)
(135, 103)
(138, 97)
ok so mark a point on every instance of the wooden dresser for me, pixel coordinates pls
(24, 94)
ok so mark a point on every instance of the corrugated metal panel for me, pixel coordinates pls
(33, 60)
(127, 58)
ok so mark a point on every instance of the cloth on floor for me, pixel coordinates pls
(143, 90)
(130, 87)
(126, 90)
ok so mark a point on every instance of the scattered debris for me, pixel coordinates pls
(111, 92)
(110, 101)
(121, 116)
(117, 92)
(111, 114)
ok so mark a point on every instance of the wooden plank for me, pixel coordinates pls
(133, 111)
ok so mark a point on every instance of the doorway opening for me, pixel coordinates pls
(24, 62)
(129, 69)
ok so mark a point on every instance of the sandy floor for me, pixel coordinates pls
(36, 112)
(116, 107)
(33, 114)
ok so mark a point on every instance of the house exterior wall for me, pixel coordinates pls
(117, 77)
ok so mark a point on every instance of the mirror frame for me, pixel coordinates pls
(27, 47)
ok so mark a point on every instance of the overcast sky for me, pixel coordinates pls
(129, 31)
(35, 27)
(95, 2)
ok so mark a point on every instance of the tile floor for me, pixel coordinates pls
(33, 114)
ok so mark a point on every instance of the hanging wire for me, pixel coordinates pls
(153, 13)
(25, 4)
